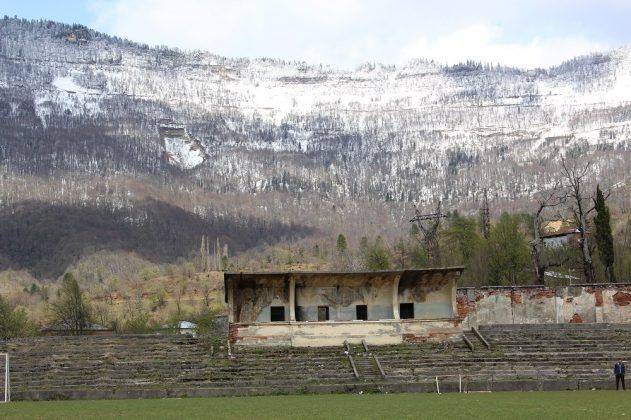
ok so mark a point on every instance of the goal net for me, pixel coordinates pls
(4, 378)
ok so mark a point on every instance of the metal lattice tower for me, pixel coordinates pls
(429, 225)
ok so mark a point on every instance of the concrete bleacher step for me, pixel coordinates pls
(53, 367)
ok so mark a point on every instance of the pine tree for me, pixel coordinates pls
(604, 238)
(341, 245)
(71, 309)
(509, 253)
(377, 256)
(462, 238)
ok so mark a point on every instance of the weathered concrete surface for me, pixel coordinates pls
(323, 334)
(431, 296)
(604, 303)
(342, 293)
(254, 296)
(251, 296)
(522, 357)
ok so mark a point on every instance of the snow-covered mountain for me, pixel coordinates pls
(92, 104)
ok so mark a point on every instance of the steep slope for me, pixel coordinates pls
(295, 142)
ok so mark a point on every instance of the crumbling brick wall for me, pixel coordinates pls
(608, 303)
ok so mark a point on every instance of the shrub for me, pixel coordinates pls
(14, 322)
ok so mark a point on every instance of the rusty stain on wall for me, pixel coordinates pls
(622, 298)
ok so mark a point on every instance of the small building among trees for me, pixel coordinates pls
(559, 233)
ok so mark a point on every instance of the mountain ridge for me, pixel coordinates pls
(332, 150)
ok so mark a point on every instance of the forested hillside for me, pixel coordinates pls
(109, 145)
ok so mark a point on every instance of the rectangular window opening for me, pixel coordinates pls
(406, 311)
(323, 313)
(277, 313)
(300, 314)
(362, 312)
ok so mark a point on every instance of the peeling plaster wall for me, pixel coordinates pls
(254, 296)
(540, 305)
(342, 293)
(317, 334)
(432, 291)
(432, 295)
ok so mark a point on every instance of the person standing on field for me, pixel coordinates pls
(618, 370)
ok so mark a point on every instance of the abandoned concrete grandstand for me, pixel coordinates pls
(527, 338)
(327, 309)
(519, 357)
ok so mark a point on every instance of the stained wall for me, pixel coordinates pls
(608, 303)
(255, 295)
(342, 293)
(431, 294)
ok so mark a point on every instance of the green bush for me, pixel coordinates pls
(14, 322)
(138, 324)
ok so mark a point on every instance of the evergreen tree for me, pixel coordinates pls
(377, 256)
(604, 238)
(414, 230)
(418, 256)
(400, 254)
(509, 253)
(341, 244)
(462, 238)
(363, 244)
(71, 309)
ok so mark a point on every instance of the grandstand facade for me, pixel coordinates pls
(314, 309)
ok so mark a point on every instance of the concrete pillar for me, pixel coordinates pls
(454, 296)
(231, 308)
(292, 299)
(395, 297)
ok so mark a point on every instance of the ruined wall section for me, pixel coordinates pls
(322, 334)
(342, 293)
(255, 296)
(431, 294)
(604, 303)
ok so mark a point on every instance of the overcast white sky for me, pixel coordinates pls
(346, 33)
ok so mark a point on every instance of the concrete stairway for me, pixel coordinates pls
(365, 363)
(567, 350)
(526, 352)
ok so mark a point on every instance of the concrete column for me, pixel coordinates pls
(454, 296)
(292, 299)
(232, 309)
(395, 297)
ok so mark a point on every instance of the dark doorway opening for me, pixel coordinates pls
(362, 312)
(406, 311)
(277, 313)
(323, 313)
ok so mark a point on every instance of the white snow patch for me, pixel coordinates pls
(183, 153)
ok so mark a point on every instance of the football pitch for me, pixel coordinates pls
(505, 405)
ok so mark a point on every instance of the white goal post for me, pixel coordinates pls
(5, 380)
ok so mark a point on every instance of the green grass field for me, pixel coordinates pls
(505, 405)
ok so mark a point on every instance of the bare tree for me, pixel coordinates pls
(546, 200)
(575, 174)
